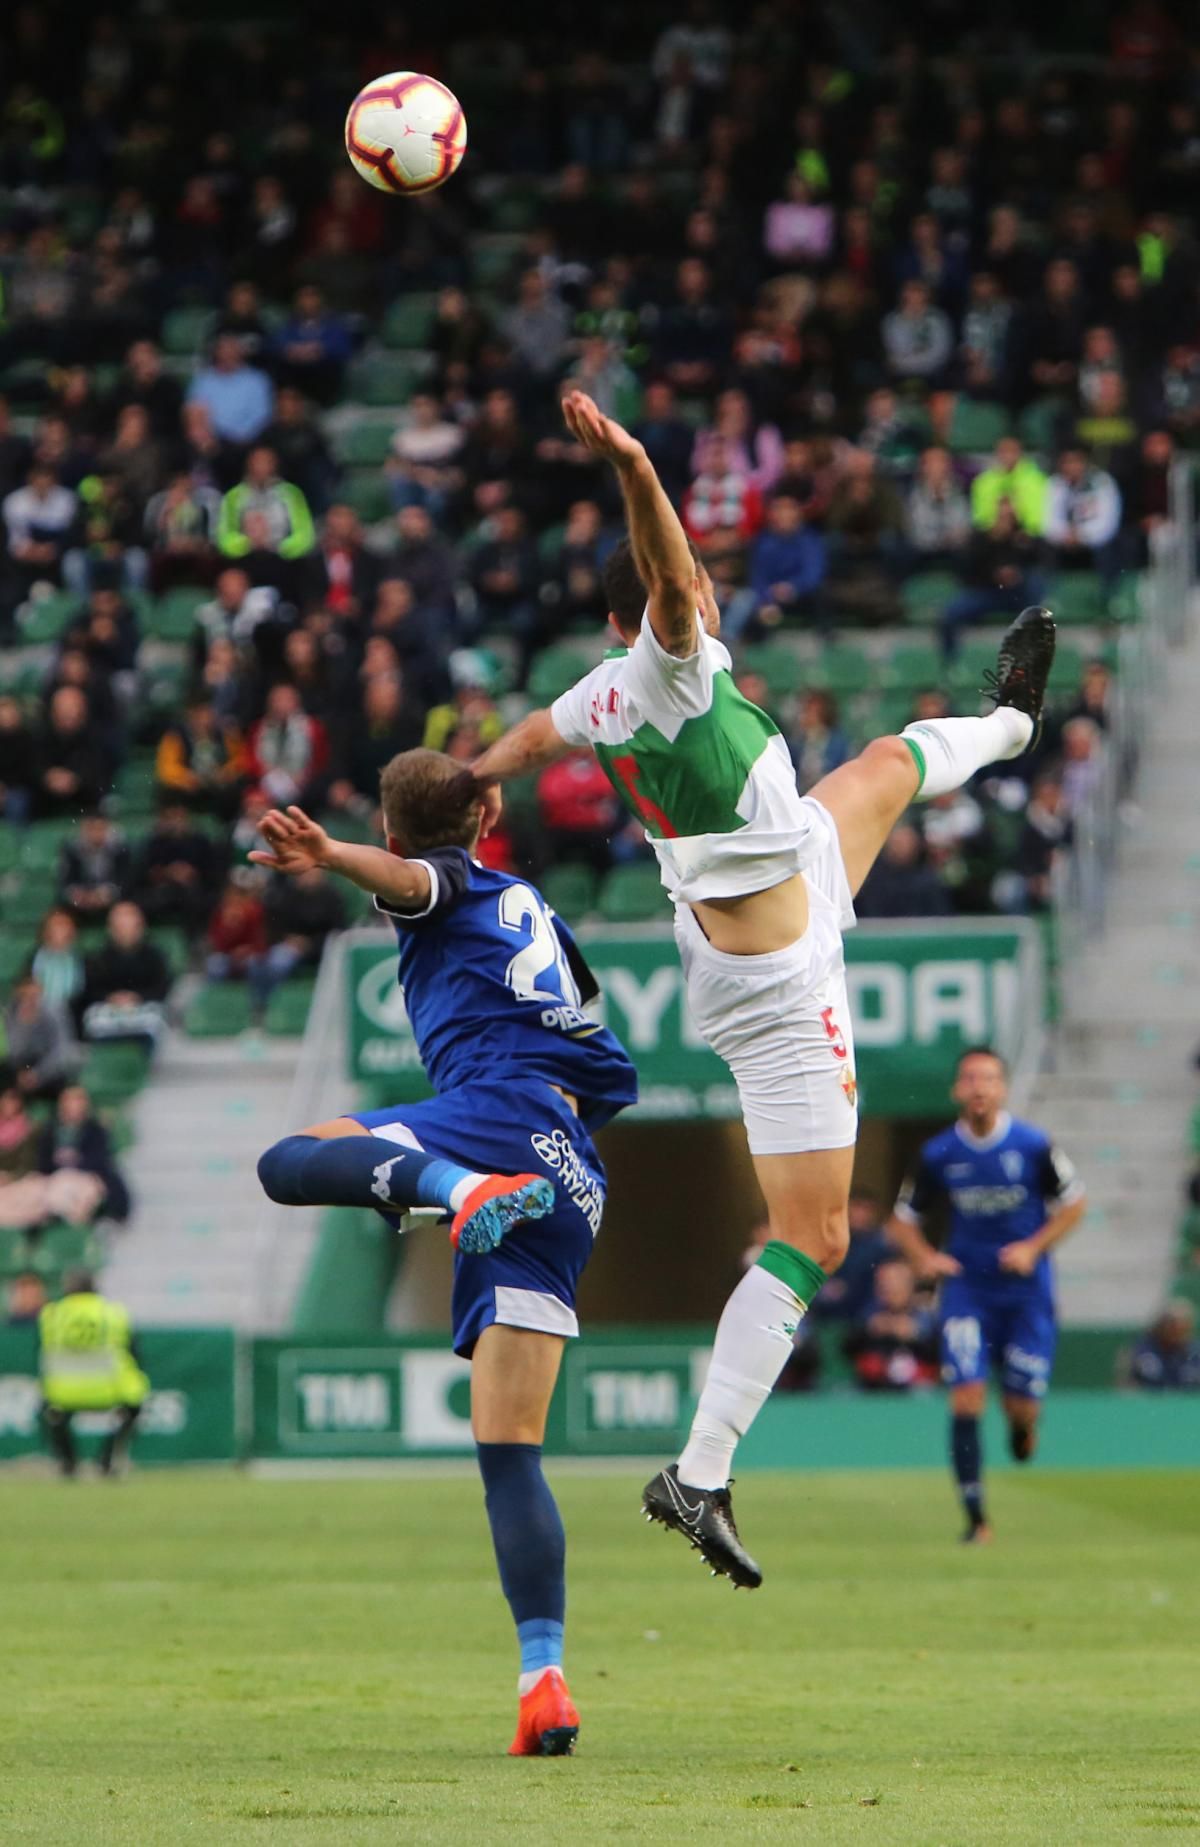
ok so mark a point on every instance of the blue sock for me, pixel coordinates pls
(359, 1170)
(966, 1452)
(527, 1532)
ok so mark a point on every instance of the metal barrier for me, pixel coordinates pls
(1165, 594)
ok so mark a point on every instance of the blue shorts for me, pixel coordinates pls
(531, 1279)
(1015, 1332)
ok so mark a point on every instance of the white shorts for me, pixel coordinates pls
(781, 1021)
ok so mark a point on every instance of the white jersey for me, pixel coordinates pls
(706, 772)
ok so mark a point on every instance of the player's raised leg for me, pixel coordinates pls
(867, 796)
(340, 1163)
(513, 1372)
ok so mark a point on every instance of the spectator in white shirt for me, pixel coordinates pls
(1083, 516)
(39, 522)
(918, 338)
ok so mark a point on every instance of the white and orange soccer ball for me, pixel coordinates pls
(405, 132)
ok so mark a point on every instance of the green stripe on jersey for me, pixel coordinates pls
(692, 783)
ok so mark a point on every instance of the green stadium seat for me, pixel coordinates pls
(924, 596)
(633, 894)
(365, 445)
(1066, 672)
(42, 844)
(16, 947)
(1078, 598)
(185, 330)
(1125, 604)
(368, 491)
(112, 1073)
(913, 667)
(842, 670)
(218, 1010)
(10, 849)
(287, 1009)
(174, 944)
(46, 620)
(554, 671)
(60, 1247)
(14, 1252)
(136, 786)
(975, 428)
(173, 616)
(408, 323)
(779, 665)
(494, 257)
(516, 211)
(549, 546)
(1038, 424)
(974, 658)
(570, 890)
(386, 379)
(26, 381)
(25, 904)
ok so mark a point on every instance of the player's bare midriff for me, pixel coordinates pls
(757, 923)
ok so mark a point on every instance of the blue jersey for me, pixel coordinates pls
(495, 988)
(999, 1188)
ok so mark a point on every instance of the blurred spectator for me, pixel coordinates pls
(1083, 515)
(901, 883)
(126, 982)
(57, 965)
(1167, 1358)
(1015, 477)
(201, 760)
(26, 1298)
(577, 810)
(236, 612)
(999, 568)
(18, 1134)
(289, 751)
(386, 724)
(1044, 834)
(41, 521)
(95, 869)
(918, 337)
(134, 457)
(278, 504)
(73, 761)
(818, 742)
(798, 229)
(1082, 768)
(895, 1345)
(938, 525)
(424, 560)
(693, 330)
(181, 531)
(41, 1050)
(723, 502)
(17, 765)
(787, 563)
(504, 573)
(752, 448)
(1053, 337)
(865, 520)
(300, 914)
(426, 448)
(237, 397)
(538, 326)
(241, 319)
(178, 870)
(75, 1141)
(472, 707)
(666, 437)
(574, 594)
(340, 573)
(985, 349)
(957, 846)
(891, 432)
(845, 1295)
(313, 347)
(145, 382)
(237, 933)
(303, 454)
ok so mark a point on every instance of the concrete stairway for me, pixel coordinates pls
(1121, 1094)
(192, 1254)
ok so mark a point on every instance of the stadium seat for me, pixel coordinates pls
(174, 944)
(44, 621)
(42, 844)
(779, 665)
(841, 670)
(570, 890)
(924, 596)
(976, 428)
(173, 617)
(408, 323)
(1078, 598)
(287, 1009)
(1125, 604)
(1038, 424)
(136, 786)
(386, 379)
(185, 330)
(14, 1252)
(112, 1073)
(554, 671)
(16, 947)
(10, 849)
(633, 894)
(914, 666)
(365, 445)
(368, 491)
(218, 1010)
(1066, 672)
(974, 658)
(26, 902)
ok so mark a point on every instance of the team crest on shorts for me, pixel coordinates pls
(849, 1085)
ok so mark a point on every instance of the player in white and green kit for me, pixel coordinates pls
(762, 880)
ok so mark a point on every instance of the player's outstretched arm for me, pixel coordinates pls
(298, 844)
(529, 746)
(1023, 1257)
(660, 548)
(905, 1233)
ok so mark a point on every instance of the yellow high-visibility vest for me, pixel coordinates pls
(85, 1360)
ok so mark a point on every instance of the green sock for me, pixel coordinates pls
(792, 1267)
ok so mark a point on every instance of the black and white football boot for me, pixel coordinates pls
(705, 1517)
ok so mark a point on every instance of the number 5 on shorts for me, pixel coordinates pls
(833, 1033)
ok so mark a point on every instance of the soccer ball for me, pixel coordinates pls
(405, 132)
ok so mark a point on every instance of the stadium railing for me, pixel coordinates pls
(1165, 613)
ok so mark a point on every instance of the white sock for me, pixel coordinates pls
(462, 1192)
(528, 1681)
(950, 750)
(753, 1341)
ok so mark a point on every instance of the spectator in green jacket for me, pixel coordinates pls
(280, 504)
(1015, 477)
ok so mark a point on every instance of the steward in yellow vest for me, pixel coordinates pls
(87, 1362)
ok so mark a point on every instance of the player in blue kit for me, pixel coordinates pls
(496, 991)
(1012, 1196)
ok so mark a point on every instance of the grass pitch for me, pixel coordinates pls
(219, 1659)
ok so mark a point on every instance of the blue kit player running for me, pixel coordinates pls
(1012, 1196)
(496, 991)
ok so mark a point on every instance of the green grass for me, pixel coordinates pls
(213, 1659)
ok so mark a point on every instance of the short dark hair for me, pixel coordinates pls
(624, 591)
(429, 801)
(980, 1051)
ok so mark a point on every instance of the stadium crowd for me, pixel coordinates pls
(284, 487)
